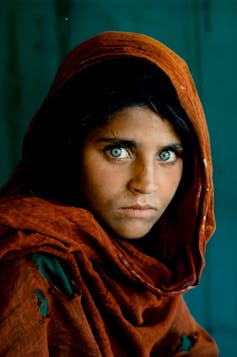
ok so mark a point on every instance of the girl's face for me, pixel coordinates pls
(131, 168)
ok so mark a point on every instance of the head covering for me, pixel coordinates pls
(75, 236)
(185, 242)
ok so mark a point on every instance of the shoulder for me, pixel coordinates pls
(24, 308)
(20, 283)
(34, 272)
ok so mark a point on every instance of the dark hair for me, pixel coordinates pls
(52, 150)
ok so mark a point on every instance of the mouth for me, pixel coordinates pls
(139, 211)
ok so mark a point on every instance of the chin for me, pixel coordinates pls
(131, 230)
(132, 234)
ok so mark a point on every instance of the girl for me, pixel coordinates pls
(105, 221)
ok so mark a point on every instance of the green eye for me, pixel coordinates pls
(167, 156)
(116, 152)
(119, 153)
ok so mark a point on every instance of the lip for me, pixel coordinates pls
(139, 211)
(140, 207)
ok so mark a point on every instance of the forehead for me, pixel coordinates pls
(139, 124)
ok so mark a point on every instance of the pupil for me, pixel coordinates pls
(116, 152)
(165, 155)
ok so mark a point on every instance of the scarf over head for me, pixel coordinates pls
(130, 301)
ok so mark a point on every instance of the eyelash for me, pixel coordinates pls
(177, 151)
(109, 148)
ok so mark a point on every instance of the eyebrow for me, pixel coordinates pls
(129, 143)
(119, 141)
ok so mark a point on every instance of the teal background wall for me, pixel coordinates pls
(36, 34)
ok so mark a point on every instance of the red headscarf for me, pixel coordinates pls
(73, 235)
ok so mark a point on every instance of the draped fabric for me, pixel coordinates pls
(125, 302)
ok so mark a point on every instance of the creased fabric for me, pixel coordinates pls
(126, 302)
(115, 310)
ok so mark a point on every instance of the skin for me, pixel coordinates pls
(131, 169)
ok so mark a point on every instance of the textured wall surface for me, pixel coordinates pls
(35, 35)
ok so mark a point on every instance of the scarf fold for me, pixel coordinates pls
(37, 225)
(117, 301)
(128, 295)
(181, 246)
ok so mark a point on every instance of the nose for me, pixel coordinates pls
(143, 179)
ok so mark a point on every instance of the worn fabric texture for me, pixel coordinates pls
(108, 297)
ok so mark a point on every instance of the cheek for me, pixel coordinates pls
(177, 175)
(171, 180)
(99, 181)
